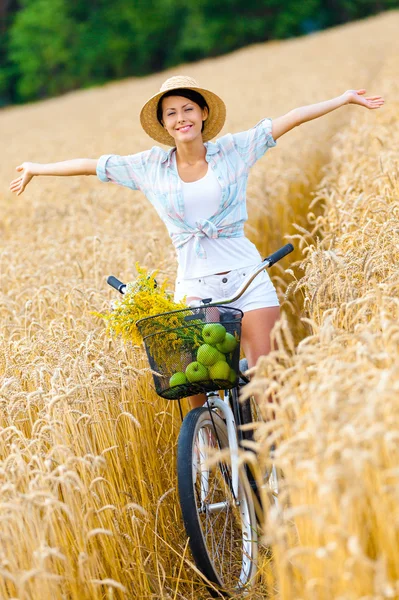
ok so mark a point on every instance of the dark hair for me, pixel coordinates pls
(186, 93)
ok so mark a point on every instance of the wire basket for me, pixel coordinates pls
(194, 350)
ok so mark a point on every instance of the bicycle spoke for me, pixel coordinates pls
(222, 528)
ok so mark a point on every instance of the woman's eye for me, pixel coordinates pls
(189, 109)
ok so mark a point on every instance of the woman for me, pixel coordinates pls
(199, 190)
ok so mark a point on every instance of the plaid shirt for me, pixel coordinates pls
(154, 172)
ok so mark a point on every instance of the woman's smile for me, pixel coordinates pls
(184, 128)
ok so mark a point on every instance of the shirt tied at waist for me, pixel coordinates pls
(205, 228)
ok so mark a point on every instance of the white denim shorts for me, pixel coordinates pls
(260, 294)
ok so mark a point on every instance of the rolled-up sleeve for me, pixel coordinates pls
(253, 143)
(128, 171)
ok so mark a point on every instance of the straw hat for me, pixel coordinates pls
(212, 125)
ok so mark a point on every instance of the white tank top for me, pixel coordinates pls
(201, 201)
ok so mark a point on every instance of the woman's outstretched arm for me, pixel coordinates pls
(28, 170)
(303, 114)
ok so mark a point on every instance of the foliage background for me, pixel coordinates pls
(48, 47)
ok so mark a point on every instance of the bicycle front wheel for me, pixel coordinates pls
(221, 528)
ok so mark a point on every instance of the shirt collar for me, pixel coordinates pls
(211, 149)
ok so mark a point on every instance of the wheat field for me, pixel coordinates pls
(88, 501)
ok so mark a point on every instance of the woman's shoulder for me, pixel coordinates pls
(263, 124)
(150, 157)
(158, 154)
(223, 143)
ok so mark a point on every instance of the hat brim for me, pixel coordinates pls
(212, 125)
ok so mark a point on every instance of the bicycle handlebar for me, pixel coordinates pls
(265, 264)
(279, 254)
(116, 284)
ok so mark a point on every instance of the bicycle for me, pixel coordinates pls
(215, 489)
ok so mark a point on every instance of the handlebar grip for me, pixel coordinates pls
(279, 254)
(116, 284)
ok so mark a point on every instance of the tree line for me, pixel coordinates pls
(48, 47)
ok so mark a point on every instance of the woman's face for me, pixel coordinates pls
(182, 118)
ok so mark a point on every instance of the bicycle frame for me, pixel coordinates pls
(213, 400)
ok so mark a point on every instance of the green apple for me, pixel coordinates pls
(178, 378)
(221, 356)
(219, 370)
(213, 333)
(196, 372)
(232, 376)
(207, 355)
(228, 345)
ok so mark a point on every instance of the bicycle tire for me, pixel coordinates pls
(222, 536)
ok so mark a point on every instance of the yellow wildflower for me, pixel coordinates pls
(167, 335)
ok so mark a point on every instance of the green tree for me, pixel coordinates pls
(210, 28)
(8, 73)
(51, 46)
(126, 37)
(41, 44)
(57, 46)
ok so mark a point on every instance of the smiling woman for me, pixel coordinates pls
(198, 188)
(195, 99)
(184, 120)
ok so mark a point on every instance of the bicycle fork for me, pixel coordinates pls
(215, 402)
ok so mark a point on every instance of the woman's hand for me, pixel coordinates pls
(18, 185)
(357, 97)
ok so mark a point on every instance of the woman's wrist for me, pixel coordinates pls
(346, 99)
(350, 97)
(30, 168)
